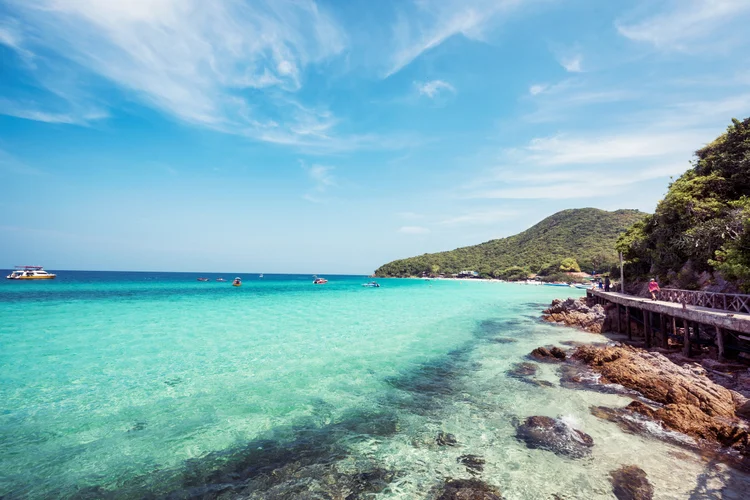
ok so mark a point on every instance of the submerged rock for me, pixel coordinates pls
(524, 369)
(554, 435)
(551, 354)
(473, 463)
(629, 482)
(468, 489)
(577, 313)
(446, 439)
(503, 340)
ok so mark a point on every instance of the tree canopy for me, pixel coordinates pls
(703, 222)
(585, 236)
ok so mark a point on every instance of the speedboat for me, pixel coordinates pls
(320, 281)
(237, 282)
(30, 273)
(220, 279)
(202, 279)
(261, 275)
(372, 284)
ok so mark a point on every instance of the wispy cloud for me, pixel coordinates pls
(322, 179)
(434, 22)
(413, 230)
(9, 164)
(572, 64)
(538, 89)
(434, 87)
(690, 25)
(226, 65)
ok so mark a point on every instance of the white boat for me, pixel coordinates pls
(30, 273)
(261, 275)
(372, 284)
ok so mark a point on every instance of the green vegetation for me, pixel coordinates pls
(703, 222)
(568, 240)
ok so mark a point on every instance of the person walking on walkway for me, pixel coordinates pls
(653, 287)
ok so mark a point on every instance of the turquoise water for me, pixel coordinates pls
(132, 385)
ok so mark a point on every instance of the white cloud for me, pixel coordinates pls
(413, 230)
(692, 25)
(198, 61)
(538, 89)
(432, 88)
(322, 178)
(572, 64)
(435, 22)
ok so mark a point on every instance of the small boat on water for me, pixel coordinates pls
(320, 281)
(237, 282)
(557, 284)
(261, 275)
(220, 279)
(372, 284)
(30, 273)
(202, 279)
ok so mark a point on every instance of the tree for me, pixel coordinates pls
(569, 265)
(435, 268)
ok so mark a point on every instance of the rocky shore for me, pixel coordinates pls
(578, 313)
(682, 400)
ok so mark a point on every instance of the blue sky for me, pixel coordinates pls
(334, 136)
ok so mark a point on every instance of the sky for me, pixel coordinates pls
(334, 136)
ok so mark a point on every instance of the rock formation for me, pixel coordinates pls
(578, 313)
(551, 354)
(468, 489)
(629, 482)
(554, 435)
(686, 400)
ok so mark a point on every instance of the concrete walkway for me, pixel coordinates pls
(738, 322)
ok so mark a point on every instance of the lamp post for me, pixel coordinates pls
(622, 276)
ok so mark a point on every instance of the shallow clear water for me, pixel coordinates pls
(137, 384)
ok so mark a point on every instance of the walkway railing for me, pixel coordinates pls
(726, 301)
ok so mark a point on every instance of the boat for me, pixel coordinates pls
(557, 284)
(220, 279)
(30, 273)
(372, 284)
(237, 282)
(202, 279)
(320, 281)
(261, 275)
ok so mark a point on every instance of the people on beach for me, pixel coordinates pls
(606, 283)
(653, 287)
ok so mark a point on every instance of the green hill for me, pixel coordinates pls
(587, 235)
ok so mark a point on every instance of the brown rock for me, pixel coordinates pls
(629, 482)
(692, 404)
(552, 354)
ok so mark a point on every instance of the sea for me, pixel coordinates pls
(156, 385)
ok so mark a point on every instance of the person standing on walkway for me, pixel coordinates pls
(653, 287)
(606, 283)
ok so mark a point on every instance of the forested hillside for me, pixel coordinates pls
(565, 241)
(703, 222)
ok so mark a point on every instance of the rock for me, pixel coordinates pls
(473, 463)
(577, 313)
(688, 402)
(503, 340)
(744, 410)
(468, 489)
(524, 369)
(446, 439)
(554, 435)
(629, 482)
(552, 354)
(657, 378)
